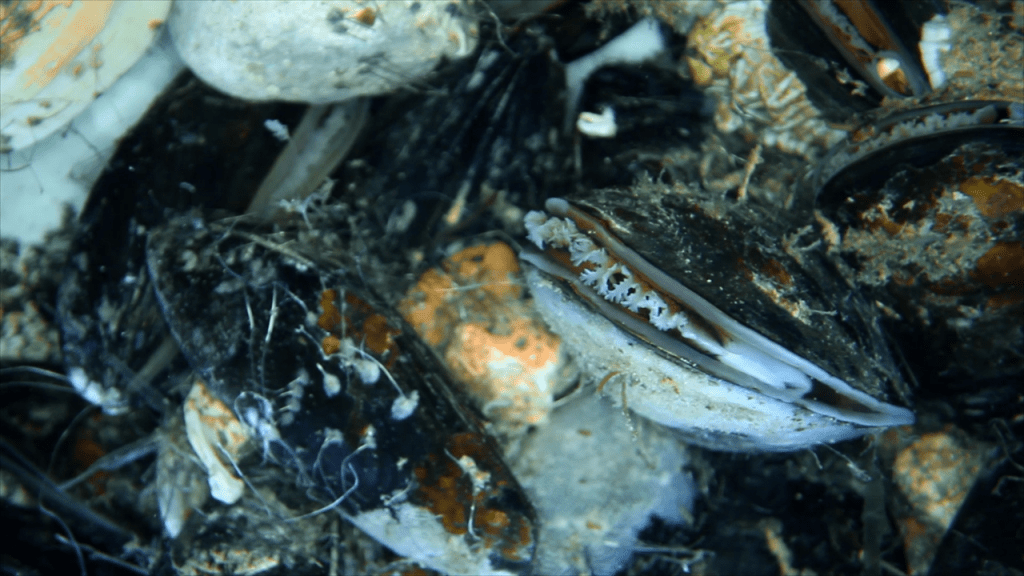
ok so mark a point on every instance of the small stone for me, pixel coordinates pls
(318, 52)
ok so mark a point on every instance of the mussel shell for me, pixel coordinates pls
(917, 137)
(818, 41)
(738, 257)
(930, 222)
(494, 127)
(181, 155)
(244, 309)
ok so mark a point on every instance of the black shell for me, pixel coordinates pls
(244, 309)
(109, 318)
(931, 225)
(760, 273)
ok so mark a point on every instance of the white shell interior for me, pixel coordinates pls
(708, 411)
(745, 357)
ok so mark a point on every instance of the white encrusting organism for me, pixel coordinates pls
(608, 277)
(935, 41)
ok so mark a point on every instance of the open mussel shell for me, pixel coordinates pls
(917, 137)
(765, 347)
(926, 210)
(851, 55)
(334, 387)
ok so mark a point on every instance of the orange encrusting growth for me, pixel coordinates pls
(446, 489)
(86, 452)
(365, 16)
(934, 472)
(83, 24)
(994, 197)
(1003, 264)
(363, 325)
(18, 19)
(445, 495)
(472, 312)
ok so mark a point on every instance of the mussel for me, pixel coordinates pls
(338, 391)
(925, 208)
(299, 389)
(712, 321)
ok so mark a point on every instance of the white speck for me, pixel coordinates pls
(332, 385)
(279, 130)
(404, 405)
(188, 260)
(598, 125)
(368, 370)
(402, 217)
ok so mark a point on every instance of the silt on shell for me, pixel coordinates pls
(702, 316)
(925, 209)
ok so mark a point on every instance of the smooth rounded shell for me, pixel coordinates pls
(57, 58)
(317, 52)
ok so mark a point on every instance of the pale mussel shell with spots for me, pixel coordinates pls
(925, 209)
(757, 343)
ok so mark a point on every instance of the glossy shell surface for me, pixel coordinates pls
(751, 308)
(333, 386)
(312, 402)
